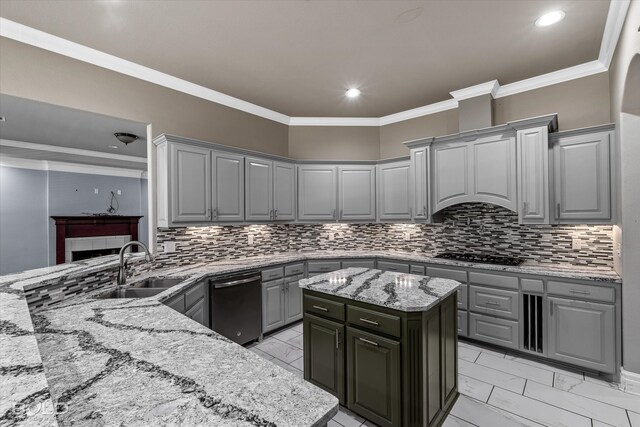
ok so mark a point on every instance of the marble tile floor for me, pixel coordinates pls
(496, 389)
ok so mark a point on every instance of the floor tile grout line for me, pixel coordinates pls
(526, 381)
(512, 413)
(490, 393)
(597, 400)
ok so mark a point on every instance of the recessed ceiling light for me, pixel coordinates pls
(115, 147)
(550, 18)
(353, 93)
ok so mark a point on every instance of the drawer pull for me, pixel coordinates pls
(321, 308)
(371, 322)
(492, 303)
(368, 341)
(579, 292)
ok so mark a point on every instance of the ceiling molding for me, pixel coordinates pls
(49, 165)
(69, 150)
(487, 88)
(37, 38)
(615, 21)
(613, 27)
(555, 77)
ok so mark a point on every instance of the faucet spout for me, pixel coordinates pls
(122, 270)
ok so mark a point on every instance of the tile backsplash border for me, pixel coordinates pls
(472, 227)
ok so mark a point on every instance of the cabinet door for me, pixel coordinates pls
(324, 355)
(259, 189)
(533, 174)
(451, 173)
(190, 183)
(176, 303)
(284, 191)
(228, 187)
(419, 184)
(357, 192)
(494, 171)
(197, 313)
(293, 299)
(272, 305)
(317, 187)
(394, 193)
(582, 178)
(582, 333)
(373, 372)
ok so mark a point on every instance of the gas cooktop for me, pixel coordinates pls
(483, 259)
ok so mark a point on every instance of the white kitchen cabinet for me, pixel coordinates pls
(419, 183)
(452, 174)
(582, 177)
(270, 190)
(394, 191)
(228, 186)
(284, 191)
(533, 176)
(317, 192)
(190, 183)
(357, 192)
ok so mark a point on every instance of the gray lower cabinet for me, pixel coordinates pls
(273, 312)
(582, 333)
(361, 263)
(582, 177)
(197, 312)
(318, 267)
(494, 330)
(463, 323)
(317, 192)
(281, 296)
(193, 303)
(399, 267)
(497, 302)
(293, 299)
(357, 192)
(394, 191)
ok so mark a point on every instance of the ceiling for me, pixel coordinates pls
(40, 125)
(299, 57)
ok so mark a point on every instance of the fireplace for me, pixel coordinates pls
(82, 237)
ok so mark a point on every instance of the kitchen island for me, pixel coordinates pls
(384, 343)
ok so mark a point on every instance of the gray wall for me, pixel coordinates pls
(23, 219)
(334, 142)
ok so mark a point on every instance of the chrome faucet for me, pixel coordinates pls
(122, 271)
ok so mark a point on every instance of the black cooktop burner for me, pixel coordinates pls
(484, 259)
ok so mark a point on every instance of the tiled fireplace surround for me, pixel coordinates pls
(472, 227)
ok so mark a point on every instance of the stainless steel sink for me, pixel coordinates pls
(144, 288)
(157, 282)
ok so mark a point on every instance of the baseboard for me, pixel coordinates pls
(630, 382)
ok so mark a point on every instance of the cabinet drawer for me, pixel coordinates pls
(293, 270)
(463, 292)
(193, 294)
(272, 273)
(363, 263)
(496, 331)
(573, 290)
(324, 307)
(496, 302)
(532, 285)
(463, 329)
(373, 320)
(393, 266)
(416, 269)
(447, 273)
(323, 266)
(494, 280)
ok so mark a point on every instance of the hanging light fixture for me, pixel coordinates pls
(125, 138)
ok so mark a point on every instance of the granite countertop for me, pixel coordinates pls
(136, 361)
(399, 291)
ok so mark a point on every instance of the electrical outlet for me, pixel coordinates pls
(619, 250)
(169, 246)
(95, 191)
(119, 192)
(407, 236)
(576, 243)
(332, 236)
(250, 239)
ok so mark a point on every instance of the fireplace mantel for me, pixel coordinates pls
(91, 226)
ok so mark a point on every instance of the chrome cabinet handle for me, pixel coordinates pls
(410, 212)
(371, 322)
(550, 308)
(275, 214)
(368, 341)
(557, 210)
(209, 214)
(321, 308)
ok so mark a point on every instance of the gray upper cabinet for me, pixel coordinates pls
(533, 176)
(317, 192)
(259, 189)
(419, 183)
(494, 171)
(228, 187)
(394, 191)
(357, 192)
(190, 183)
(582, 177)
(451, 174)
(284, 191)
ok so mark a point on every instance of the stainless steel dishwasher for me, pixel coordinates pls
(236, 306)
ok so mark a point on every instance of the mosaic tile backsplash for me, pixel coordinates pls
(472, 227)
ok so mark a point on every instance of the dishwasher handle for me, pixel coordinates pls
(236, 282)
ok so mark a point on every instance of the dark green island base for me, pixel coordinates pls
(392, 367)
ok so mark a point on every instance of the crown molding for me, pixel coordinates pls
(477, 90)
(334, 121)
(37, 38)
(69, 150)
(615, 21)
(48, 165)
(437, 107)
